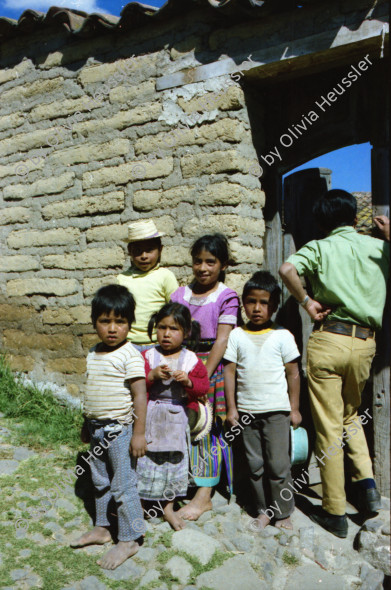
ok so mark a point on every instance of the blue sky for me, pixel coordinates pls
(351, 166)
(14, 8)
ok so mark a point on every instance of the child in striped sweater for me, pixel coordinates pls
(115, 405)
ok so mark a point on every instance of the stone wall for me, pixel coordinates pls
(87, 144)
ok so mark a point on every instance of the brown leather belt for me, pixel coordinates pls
(344, 328)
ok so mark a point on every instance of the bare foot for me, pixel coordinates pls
(172, 517)
(198, 505)
(284, 523)
(259, 523)
(98, 536)
(118, 554)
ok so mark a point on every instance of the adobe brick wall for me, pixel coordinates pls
(74, 172)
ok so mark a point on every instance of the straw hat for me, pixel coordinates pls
(200, 422)
(143, 229)
(299, 445)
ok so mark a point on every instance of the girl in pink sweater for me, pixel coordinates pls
(175, 379)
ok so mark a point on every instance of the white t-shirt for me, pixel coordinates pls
(260, 358)
(107, 394)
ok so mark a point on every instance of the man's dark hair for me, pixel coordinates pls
(114, 298)
(335, 209)
(264, 280)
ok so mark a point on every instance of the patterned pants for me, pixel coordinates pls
(122, 486)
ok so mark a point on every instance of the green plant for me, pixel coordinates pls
(289, 559)
(44, 420)
(216, 560)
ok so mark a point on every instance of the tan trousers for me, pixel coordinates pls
(337, 369)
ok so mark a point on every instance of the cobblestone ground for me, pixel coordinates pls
(218, 552)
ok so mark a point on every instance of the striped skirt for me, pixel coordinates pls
(208, 455)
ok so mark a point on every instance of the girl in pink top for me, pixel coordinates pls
(175, 379)
(216, 308)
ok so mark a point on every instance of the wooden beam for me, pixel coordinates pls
(323, 48)
(381, 373)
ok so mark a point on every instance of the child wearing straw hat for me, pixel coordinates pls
(150, 284)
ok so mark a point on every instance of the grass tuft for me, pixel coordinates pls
(216, 560)
(289, 559)
(45, 422)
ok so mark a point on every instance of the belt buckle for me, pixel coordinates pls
(112, 428)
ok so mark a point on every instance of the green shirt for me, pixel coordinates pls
(348, 272)
(151, 291)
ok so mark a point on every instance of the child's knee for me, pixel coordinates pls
(122, 494)
(279, 468)
(256, 466)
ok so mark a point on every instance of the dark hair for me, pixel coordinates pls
(335, 209)
(114, 298)
(264, 280)
(157, 240)
(181, 315)
(216, 244)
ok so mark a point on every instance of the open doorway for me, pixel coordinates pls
(350, 170)
(359, 117)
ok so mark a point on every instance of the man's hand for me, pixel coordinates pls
(317, 311)
(296, 418)
(232, 417)
(383, 224)
(138, 445)
(182, 377)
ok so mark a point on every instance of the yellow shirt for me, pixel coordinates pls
(151, 291)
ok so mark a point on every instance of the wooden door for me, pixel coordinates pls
(300, 192)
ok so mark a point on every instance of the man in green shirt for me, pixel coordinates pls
(348, 275)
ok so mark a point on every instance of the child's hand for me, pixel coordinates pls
(84, 433)
(182, 377)
(232, 417)
(160, 372)
(296, 418)
(138, 445)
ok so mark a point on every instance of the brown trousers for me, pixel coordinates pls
(266, 440)
(337, 369)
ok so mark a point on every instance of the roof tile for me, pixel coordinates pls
(133, 15)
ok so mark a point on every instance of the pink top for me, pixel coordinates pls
(195, 369)
(219, 307)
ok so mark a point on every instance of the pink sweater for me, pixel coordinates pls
(198, 376)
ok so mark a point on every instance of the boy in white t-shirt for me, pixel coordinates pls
(261, 362)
